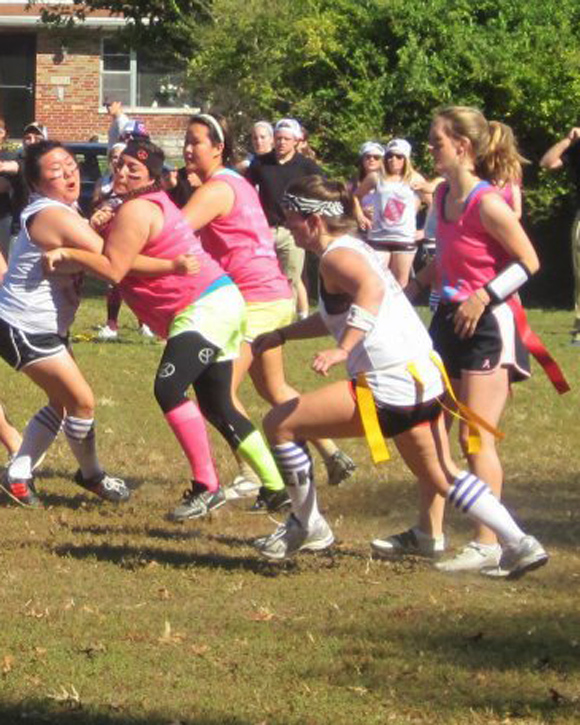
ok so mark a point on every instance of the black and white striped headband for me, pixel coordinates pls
(312, 206)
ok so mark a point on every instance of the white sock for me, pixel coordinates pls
(37, 438)
(295, 465)
(470, 495)
(80, 434)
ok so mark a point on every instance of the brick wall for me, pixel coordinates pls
(67, 94)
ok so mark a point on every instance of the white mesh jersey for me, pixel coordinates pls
(30, 300)
(397, 344)
(395, 213)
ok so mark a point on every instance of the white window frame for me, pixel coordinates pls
(132, 72)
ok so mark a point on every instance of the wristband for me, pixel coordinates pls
(281, 335)
(360, 318)
(508, 281)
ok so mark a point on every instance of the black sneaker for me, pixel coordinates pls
(104, 486)
(339, 467)
(197, 501)
(21, 490)
(270, 501)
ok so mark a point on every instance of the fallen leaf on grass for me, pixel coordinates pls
(164, 593)
(69, 697)
(199, 649)
(263, 614)
(169, 637)
(358, 690)
(93, 649)
(7, 662)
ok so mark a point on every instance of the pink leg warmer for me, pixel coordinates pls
(188, 425)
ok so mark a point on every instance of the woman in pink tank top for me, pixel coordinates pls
(201, 315)
(483, 257)
(227, 214)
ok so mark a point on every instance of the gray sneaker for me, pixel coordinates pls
(104, 486)
(409, 543)
(528, 554)
(472, 558)
(339, 467)
(291, 537)
(197, 501)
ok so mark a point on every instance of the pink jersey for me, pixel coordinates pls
(156, 300)
(467, 255)
(243, 245)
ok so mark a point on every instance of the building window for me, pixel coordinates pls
(139, 80)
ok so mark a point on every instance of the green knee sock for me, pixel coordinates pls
(254, 450)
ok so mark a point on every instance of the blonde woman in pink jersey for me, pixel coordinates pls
(483, 257)
(202, 316)
(227, 213)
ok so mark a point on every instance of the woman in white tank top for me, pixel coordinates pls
(36, 311)
(392, 233)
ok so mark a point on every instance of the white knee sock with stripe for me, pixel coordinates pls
(37, 438)
(295, 465)
(80, 434)
(470, 495)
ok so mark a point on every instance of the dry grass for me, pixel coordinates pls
(114, 616)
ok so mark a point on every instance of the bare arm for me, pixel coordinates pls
(133, 225)
(552, 159)
(208, 202)
(9, 167)
(55, 227)
(502, 224)
(346, 271)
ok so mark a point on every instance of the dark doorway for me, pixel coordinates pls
(17, 74)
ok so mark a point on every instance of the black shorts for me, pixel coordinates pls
(396, 419)
(20, 348)
(393, 247)
(495, 343)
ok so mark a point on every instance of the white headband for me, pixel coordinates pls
(371, 147)
(266, 125)
(290, 124)
(312, 206)
(212, 122)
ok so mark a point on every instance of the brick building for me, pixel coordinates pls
(61, 78)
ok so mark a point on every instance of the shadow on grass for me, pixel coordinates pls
(516, 664)
(37, 712)
(135, 557)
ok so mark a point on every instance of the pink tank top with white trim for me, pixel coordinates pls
(468, 257)
(156, 300)
(242, 243)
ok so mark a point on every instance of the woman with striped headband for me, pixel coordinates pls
(398, 383)
(233, 229)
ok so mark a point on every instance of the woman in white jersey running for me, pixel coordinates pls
(388, 351)
(36, 312)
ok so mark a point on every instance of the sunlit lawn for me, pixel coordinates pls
(114, 615)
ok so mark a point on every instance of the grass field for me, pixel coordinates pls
(115, 616)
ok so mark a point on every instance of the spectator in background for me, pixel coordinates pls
(262, 143)
(566, 152)
(271, 173)
(12, 170)
(118, 120)
(5, 199)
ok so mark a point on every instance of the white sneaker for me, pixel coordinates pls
(473, 557)
(516, 560)
(409, 543)
(107, 334)
(242, 488)
(291, 537)
(145, 331)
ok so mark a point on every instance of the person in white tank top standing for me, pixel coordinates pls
(392, 232)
